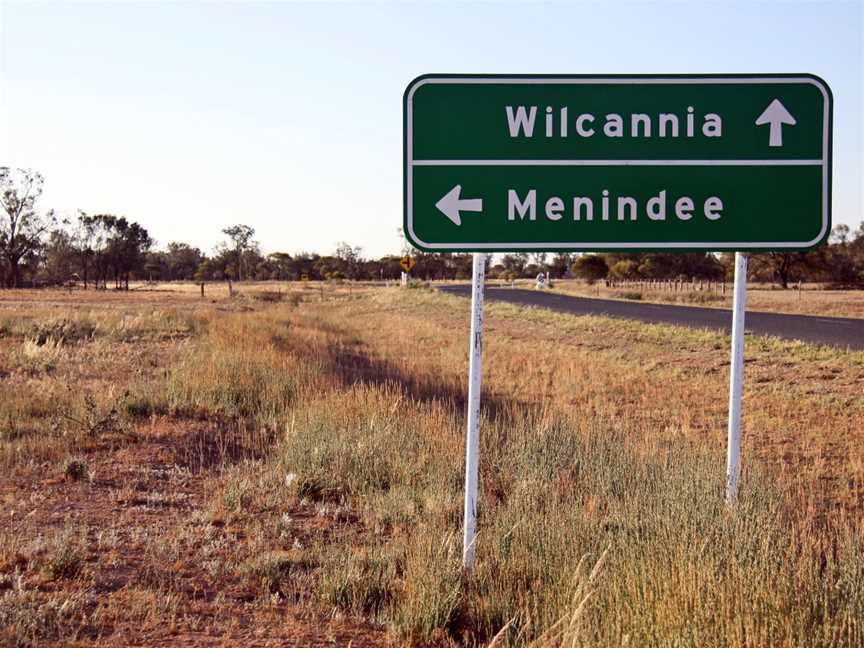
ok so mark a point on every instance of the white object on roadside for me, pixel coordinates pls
(736, 378)
(472, 438)
(541, 281)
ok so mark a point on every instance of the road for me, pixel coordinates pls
(834, 331)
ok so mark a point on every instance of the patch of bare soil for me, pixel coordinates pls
(149, 546)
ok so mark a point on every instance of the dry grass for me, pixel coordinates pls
(294, 467)
(812, 299)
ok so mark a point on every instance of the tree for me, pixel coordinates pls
(127, 250)
(514, 264)
(306, 263)
(624, 269)
(21, 226)
(241, 242)
(282, 266)
(539, 259)
(182, 260)
(840, 234)
(591, 267)
(350, 258)
(112, 245)
(561, 264)
(93, 234)
(60, 257)
(781, 266)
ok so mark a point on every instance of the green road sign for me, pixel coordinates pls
(520, 163)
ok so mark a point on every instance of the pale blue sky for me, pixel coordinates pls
(188, 117)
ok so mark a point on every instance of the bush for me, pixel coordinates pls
(62, 331)
(75, 469)
(29, 618)
(64, 558)
(271, 296)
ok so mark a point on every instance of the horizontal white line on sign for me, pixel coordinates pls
(616, 162)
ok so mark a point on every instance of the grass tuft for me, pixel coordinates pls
(75, 469)
(64, 558)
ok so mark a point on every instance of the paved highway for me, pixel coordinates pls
(834, 331)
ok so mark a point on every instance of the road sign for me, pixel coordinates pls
(304, 277)
(520, 163)
(407, 263)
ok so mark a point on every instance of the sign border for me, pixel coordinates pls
(634, 79)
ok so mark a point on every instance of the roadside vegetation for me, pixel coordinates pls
(806, 299)
(97, 250)
(182, 469)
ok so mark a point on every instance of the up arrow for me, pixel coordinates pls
(776, 115)
(451, 204)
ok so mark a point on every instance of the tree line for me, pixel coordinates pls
(97, 250)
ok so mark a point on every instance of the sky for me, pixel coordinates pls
(189, 117)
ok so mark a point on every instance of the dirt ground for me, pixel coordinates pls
(132, 551)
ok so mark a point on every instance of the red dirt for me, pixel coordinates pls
(140, 494)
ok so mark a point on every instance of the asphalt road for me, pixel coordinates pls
(834, 331)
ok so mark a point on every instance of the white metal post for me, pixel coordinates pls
(733, 446)
(472, 438)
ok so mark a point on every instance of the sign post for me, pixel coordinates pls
(472, 437)
(593, 163)
(736, 379)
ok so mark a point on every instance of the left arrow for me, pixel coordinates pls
(451, 205)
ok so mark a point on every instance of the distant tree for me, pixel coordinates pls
(384, 268)
(86, 233)
(514, 264)
(782, 267)
(855, 250)
(561, 264)
(240, 243)
(591, 267)
(462, 265)
(306, 263)
(22, 227)
(210, 269)
(60, 256)
(182, 260)
(432, 265)
(539, 259)
(655, 265)
(282, 266)
(92, 235)
(350, 258)
(842, 261)
(112, 246)
(127, 250)
(624, 269)
(839, 234)
(156, 266)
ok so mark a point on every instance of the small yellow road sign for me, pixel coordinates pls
(304, 277)
(407, 263)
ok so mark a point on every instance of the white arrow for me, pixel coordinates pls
(776, 115)
(450, 205)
